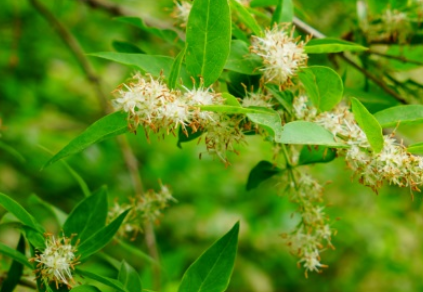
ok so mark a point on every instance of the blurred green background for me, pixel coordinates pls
(46, 100)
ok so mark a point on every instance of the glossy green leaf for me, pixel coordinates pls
(100, 238)
(316, 154)
(127, 48)
(400, 115)
(416, 148)
(176, 69)
(369, 124)
(35, 238)
(88, 216)
(167, 35)
(208, 39)
(230, 99)
(16, 209)
(85, 288)
(323, 85)
(211, 272)
(245, 17)
(109, 126)
(16, 269)
(308, 133)
(15, 255)
(331, 45)
(154, 65)
(263, 3)
(241, 60)
(284, 12)
(261, 172)
(270, 121)
(113, 283)
(129, 278)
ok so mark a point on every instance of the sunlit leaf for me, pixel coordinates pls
(323, 85)
(284, 12)
(109, 126)
(331, 45)
(308, 133)
(211, 272)
(15, 255)
(369, 124)
(400, 115)
(245, 17)
(208, 39)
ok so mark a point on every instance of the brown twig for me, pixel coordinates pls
(128, 155)
(304, 27)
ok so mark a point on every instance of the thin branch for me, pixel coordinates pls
(73, 47)
(399, 58)
(128, 155)
(304, 27)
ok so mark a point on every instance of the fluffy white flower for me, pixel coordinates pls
(282, 55)
(57, 261)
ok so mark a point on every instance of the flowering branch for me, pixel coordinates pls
(304, 27)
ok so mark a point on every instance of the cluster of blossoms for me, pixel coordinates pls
(57, 261)
(146, 208)
(313, 233)
(181, 12)
(150, 103)
(393, 164)
(282, 54)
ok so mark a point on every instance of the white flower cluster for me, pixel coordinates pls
(393, 164)
(181, 11)
(282, 54)
(313, 233)
(57, 261)
(150, 103)
(144, 208)
(258, 99)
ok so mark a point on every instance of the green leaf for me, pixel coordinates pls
(208, 39)
(15, 255)
(88, 217)
(109, 126)
(113, 283)
(369, 124)
(284, 12)
(85, 288)
(100, 238)
(323, 85)
(211, 272)
(129, 278)
(261, 172)
(400, 115)
(16, 269)
(125, 47)
(16, 209)
(308, 133)
(168, 35)
(230, 99)
(416, 148)
(35, 238)
(285, 98)
(241, 60)
(263, 3)
(245, 17)
(331, 45)
(316, 154)
(58, 214)
(176, 69)
(269, 120)
(154, 65)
